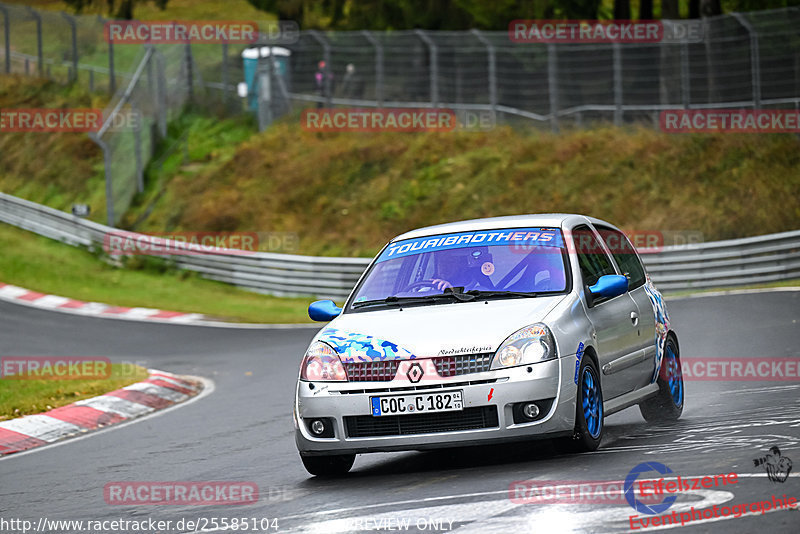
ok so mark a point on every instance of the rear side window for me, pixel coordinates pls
(624, 254)
(592, 258)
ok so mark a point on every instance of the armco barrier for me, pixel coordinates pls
(699, 266)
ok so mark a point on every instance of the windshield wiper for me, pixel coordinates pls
(456, 293)
(479, 293)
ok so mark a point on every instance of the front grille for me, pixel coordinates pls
(444, 385)
(463, 364)
(367, 426)
(377, 371)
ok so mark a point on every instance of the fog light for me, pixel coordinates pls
(530, 410)
(318, 427)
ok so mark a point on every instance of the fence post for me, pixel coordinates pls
(492, 69)
(161, 93)
(326, 57)
(378, 66)
(617, 83)
(6, 36)
(755, 67)
(552, 85)
(112, 79)
(686, 95)
(225, 76)
(433, 68)
(109, 189)
(39, 51)
(189, 72)
(137, 132)
(71, 21)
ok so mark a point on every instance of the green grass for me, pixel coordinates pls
(47, 266)
(20, 397)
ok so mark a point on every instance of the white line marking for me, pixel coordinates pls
(12, 292)
(116, 405)
(208, 389)
(42, 427)
(158, 391)
(51, 301)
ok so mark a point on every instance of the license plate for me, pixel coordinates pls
(450, 401)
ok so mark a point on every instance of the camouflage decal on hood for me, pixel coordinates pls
(354, 347)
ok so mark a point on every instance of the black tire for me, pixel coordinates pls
(663, 408)
(582, 439)
(329, 466)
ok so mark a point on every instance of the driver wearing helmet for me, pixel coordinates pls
(463, 267)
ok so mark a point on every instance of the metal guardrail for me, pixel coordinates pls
(698, 266)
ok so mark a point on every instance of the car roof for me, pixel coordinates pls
(546, 220)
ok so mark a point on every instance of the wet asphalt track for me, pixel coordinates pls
(243, 431)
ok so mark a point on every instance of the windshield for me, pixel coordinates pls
(513, 260)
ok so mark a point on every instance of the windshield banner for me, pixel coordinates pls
(526, 237)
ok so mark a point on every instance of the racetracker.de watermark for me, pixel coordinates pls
(730, 121)
(54, 367)
(181, 493)
(756, 369)
(181, 243)
(396, 120)
(604, 31)
(572, 492)
(181, 31)
(50, 120)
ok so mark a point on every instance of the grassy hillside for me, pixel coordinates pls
(348, 193)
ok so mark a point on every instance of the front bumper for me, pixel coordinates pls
(538, 382)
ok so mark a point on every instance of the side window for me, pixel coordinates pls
(593, 260)
(624, 254)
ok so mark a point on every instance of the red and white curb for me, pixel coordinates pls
(20, 295)
(161, 390)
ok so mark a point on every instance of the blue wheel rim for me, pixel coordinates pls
(592, 402)
(674, 376)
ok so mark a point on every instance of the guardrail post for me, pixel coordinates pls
(552, 85)
(39, 52)
(433, 68)
(378, 66)
(492, 69)
(617, 83)
(7, 37)
(71, 21)
(326, 57)
(755, 67)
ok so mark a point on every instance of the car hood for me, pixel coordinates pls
(432, 330)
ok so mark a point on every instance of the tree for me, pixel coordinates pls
(123, 10)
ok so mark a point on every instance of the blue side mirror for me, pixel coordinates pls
(324, 310)
(609, 286)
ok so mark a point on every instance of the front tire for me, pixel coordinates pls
(667, 405)
(329, 466)
(589, 408)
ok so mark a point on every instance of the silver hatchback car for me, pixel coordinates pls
(490, 330)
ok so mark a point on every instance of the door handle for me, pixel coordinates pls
(634, 318)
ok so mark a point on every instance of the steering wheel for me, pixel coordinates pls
(416, 286)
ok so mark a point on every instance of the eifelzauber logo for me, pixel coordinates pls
(630, 496)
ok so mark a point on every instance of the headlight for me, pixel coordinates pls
(322, 364)
(532, 344)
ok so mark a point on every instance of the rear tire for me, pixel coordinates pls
(328, 466)
(589, 409)
(667, 405)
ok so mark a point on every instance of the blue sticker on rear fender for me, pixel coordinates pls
(662, 323)
(578, 356)
(354, 347)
